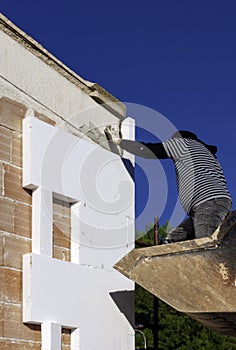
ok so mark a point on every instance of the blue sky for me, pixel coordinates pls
(174, 57)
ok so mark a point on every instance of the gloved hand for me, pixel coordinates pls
(112, 136)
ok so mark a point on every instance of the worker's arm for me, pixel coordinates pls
(140, 149)
(145, 150)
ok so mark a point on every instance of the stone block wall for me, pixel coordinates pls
(15, 232)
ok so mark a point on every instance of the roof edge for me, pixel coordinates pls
(94, 90)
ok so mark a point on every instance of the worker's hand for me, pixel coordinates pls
(111, 135)
(114, 140)
(97, 136)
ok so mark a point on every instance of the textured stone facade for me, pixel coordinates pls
(15, 232)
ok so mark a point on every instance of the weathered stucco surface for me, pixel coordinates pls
(32, 76)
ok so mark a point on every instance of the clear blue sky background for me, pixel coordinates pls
(175, 57)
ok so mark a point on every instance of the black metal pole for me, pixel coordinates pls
(156, 231)
(155, 302)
